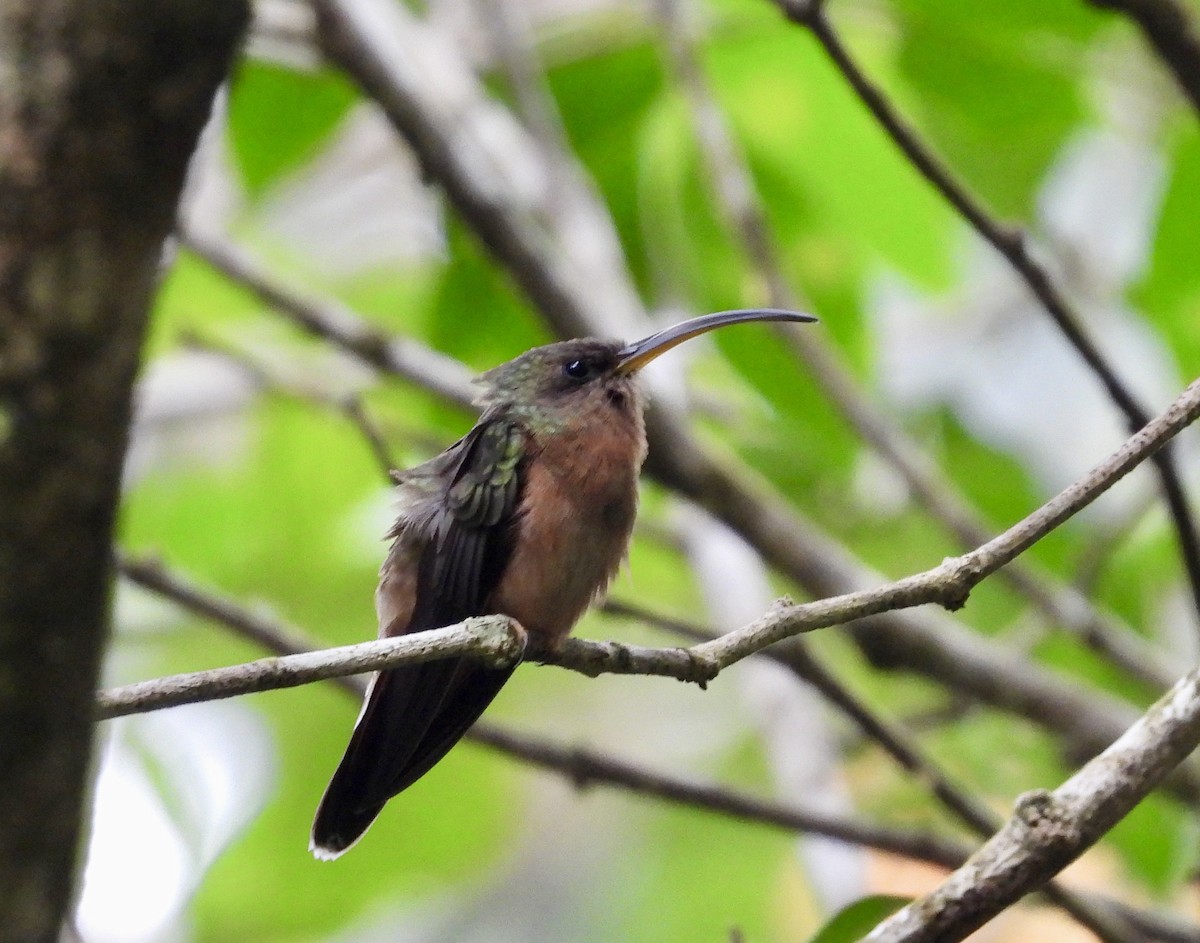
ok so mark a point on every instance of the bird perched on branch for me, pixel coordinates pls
(528, 515)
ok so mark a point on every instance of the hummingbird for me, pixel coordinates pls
(528, 515)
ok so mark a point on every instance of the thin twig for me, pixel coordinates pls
(349, 405)
(908, 754)
(1062, 605)
(494, 640)
(1012, 245)
(399, 357)
(587, 767)
(949, 584)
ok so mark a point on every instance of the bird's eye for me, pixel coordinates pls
(577, 369)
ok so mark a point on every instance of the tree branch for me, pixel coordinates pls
(1013, 246)
(1109, 920)
(581, 767)
(907, 753)
(1170, 31)
(349, 405)
(949, 584)
(1049, 830)
(396, 356)
(586, 767)
(495, 640)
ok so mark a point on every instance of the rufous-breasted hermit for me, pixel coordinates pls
(528, 515)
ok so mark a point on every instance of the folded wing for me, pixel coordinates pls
(462, 538)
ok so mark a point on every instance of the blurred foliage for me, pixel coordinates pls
(855, 921)
(293, 512)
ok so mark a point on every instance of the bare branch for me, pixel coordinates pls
(261, 629)
(587, 767)
(582, 767)
(495, 640)
(399, 357)
(795, 654)
(1051, 829)
(950, 583)
(349, 405)
(947, 585)
(1169, 29)
(1013, 246)
(907, 752)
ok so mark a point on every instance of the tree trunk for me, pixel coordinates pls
(101, 103)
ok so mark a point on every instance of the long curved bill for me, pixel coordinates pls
(636, 355)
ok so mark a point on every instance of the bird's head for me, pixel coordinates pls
(550, 385)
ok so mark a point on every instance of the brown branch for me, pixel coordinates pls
(101, 105)
(1013, 246)
(1062, 605)
(1169, 29)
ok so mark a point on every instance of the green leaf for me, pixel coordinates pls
(1170, 291)
(278, 118)
(1000, 87)
(1158, 842)
(854, 922)
(603, 98)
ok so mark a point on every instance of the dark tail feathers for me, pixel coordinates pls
(412, 717)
